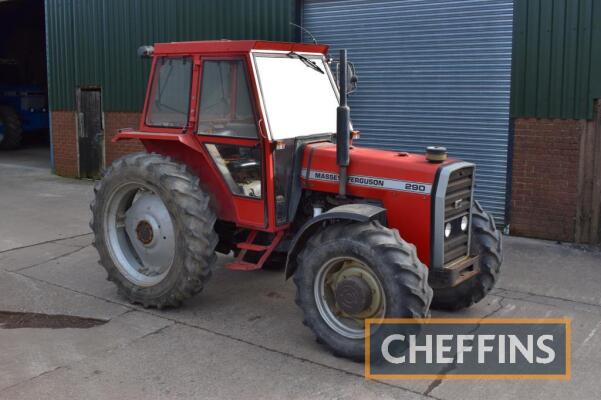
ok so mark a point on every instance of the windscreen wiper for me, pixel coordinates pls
(306, 61)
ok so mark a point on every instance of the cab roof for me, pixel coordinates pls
(234, 46)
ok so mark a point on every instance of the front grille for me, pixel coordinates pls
(458, 202)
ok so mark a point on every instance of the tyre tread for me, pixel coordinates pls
(188, 199)
(410, 274)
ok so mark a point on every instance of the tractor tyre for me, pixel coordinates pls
(154, 230)
(486, 242)
(13, 132)
(339, 267)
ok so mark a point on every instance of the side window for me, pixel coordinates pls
(170, 97)
(225, 105)
(240, 167)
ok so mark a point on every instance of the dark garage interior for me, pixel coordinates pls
(23, 82)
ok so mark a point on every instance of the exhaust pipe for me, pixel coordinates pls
(342, 126)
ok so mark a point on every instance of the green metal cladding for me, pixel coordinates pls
(556, 55)
(556, 58)
(93, 43)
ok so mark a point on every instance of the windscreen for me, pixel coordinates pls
(299, 99)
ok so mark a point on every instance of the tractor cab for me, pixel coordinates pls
(247, 105)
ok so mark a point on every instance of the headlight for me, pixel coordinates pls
(447, 230)
(464, 222)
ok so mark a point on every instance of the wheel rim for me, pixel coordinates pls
(341, 289)
(139, 234)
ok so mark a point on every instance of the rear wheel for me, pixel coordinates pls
(153, 229)
(13, 132)
(350, 272)
(487, 243)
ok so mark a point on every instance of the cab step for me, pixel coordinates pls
(251, 247)
(242, 264)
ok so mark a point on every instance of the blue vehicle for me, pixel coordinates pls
(23, 110)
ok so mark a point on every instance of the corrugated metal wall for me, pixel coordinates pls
(94, 42)
(430, 72)
(557, 58)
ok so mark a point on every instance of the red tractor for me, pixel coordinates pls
(249, 151)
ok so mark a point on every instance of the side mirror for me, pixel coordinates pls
(352, 78)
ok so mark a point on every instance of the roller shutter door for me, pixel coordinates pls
(431, 72)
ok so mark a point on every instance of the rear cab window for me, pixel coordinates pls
(170, 98)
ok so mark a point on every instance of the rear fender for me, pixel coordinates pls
(185, 139)
(185, 149)
(346, 212)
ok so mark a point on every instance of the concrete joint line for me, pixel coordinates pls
(437, 382)
(52, 259)
(45, 242)
(109, 349)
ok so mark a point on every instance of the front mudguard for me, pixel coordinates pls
(347, 212)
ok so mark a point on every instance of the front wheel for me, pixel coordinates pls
(350, 272)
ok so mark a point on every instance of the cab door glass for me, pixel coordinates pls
(240, 167)
(226, 111)
(225, 105)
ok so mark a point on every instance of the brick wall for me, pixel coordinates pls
(64, 139)
(113, 122)
(64, 143)
(545, 177)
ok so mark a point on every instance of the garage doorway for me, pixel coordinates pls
(24, 122)
(90, 132)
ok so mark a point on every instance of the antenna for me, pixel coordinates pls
(306, 31)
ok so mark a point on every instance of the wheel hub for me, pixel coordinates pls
(346, 293)
(353, 295)
(140, 233)
(144, 232)
(149, 226)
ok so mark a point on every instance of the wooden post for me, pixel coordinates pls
(588, 213)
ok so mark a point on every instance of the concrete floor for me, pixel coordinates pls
(35, 205)
(242, 337)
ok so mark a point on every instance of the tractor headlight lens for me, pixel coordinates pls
(464, 221)
(447, 230)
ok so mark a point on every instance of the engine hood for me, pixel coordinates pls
(371, 168)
